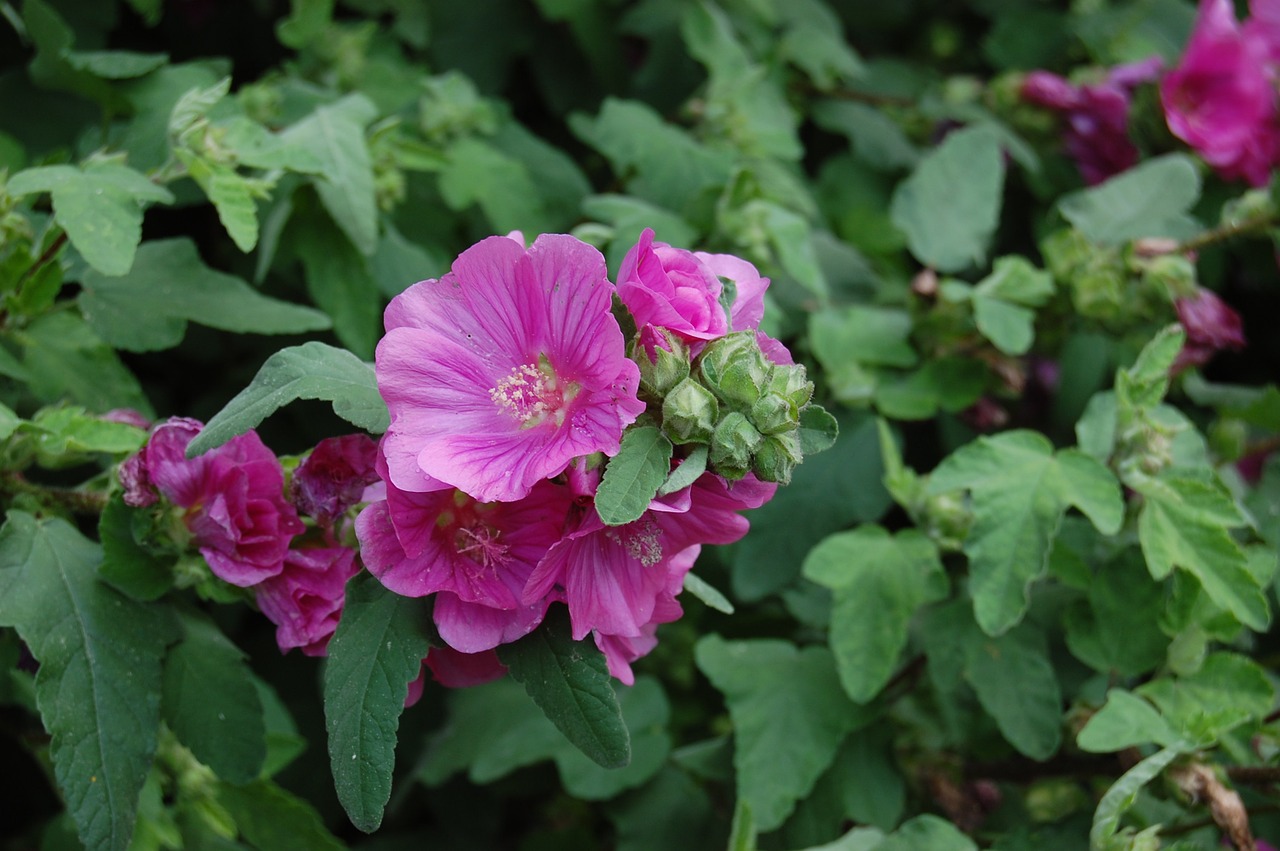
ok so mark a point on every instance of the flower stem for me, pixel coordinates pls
(13, 483)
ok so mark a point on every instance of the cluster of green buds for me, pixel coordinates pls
(1119, 286)
(751, 413)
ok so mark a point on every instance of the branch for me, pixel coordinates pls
(1201, 783)
(13, 483)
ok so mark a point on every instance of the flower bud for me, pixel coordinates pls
(663, 360)
(689, 413)
(774, 414)
(792, 383)
(735, 369)
(777, 457)
(734, 442)
(1173, 274)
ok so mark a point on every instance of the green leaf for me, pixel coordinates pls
(307, 21)
(688, 471)
(270, 817)
(493, 730)
(66, 360)
(825, 496)
(847, 340)
(950, 205)
(1150, 199)
(339, 281)
(210, 702)
(1001, 301)
(876, 138)
(633, 476)
(1015, 682)
(819, 429)
(232, 197)
(100, 208)
(9, 422)
(115, 64)
(1186, 522)
(310, 371)
(791, 236)
(1020, 491)
(665, 165)
(782, 700)
(571, 685)
(148, 308)
(98, 687)
(878, 582)
(927, 833)
(672, 812)
(126, 563)
(334, 136)
(65, 434)
(948, 384)
(375, 653)
(479, 173)
(1124, 792)
(1228, 690)
(1117, 628)
(1144, 384)
(707, 593)
(1124, 722)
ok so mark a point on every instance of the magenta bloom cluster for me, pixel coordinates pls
(232, 506)
(1221, 97)
(509, 382)
(1097, 115)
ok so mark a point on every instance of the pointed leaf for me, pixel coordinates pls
(1124, 792)
(570, 683)
(149, 307)
(375, 653)
(1016, 684)
(270, 817)
(633, 476)
(1126, 721)
(210, 702)
(878, 581)
(98, 687)
(310, 371)
(782, 700)
(1151, 199)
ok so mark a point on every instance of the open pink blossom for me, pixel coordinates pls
(1221, 98)
(746, 309)
(505, 369)
(334, 476)
(233, 495)
(305, 599)
(612, 577)
(620, 651)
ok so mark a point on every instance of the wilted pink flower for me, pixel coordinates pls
(1097, 132)
(234, 496)
(1221, 99)
(334, 476)
(503, 370)
(1211, 326)
(612, 577)
(305, 599)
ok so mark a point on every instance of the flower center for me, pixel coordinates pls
(465, 527)
(642, 540)
(533, 394)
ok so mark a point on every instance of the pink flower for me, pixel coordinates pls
(1097, 132)
(1221, 99)
(460, 670)
(620, 651)
(305, 599)
(334, 476)
(1211, 326)
(612, 577)
(234, 496)
(474, 557)
(671, 288)
(505, 369)
(683, 291)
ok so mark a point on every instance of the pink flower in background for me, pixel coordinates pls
(1221, 99)
(613, 576)
(460, 670)
(505, 369)
(1211, 326)
(305, 599)
(671, 288)
(334, 476)
(1097, 132)
(234, 495)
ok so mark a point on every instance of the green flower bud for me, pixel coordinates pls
(735, 369)
(777, 457)
(1171, 275)
(666, 369)
(774, 414)
(689, 413)
(734, 442)
(1099, 293)
(792, 383)
(1065, 253)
